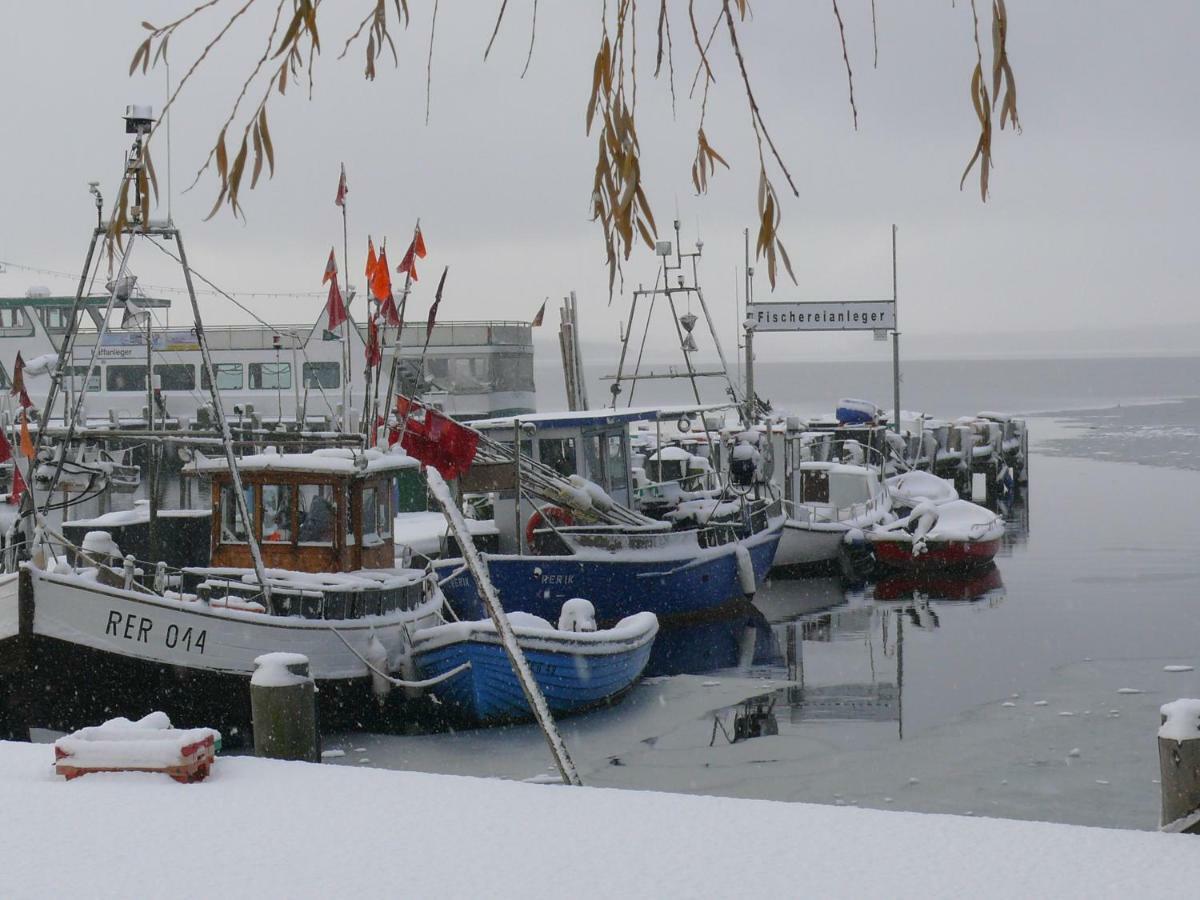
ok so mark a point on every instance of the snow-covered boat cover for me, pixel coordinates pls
(360, 580)
(534, 631)
(957, 520)
(327, 461)
(915, 486)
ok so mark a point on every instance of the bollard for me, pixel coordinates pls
(1179, 766)
(283, 707)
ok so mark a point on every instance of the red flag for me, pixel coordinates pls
(26, 438)
(371, 262)
(342, 191)
(537, 320)
(373, 348)
(418, 243)
(330, 268)
(18, 382)
(387, 309)
(437, 299)
(434, 439)
(334, 306)
(408, 265)
(381, 277)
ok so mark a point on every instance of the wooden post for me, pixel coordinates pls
(1179, 766)
(283, 707)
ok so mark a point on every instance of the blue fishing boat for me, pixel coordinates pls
(576, 670)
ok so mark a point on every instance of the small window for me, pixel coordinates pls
(78, 373)
(277, 513)
(56, 319)
(229, 376)
(593, 458)
(615, 462)
(558, 454)
(125, 378)
(270, 376)
(176, 376)
(370, 503)
(322, 375)
(383, 513)
(15, 322)
(348, 519)
(233, 529)
(317, 513)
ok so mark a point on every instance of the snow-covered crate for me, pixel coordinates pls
(147, 745)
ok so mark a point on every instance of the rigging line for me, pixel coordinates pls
(227, 296)
(37, 270)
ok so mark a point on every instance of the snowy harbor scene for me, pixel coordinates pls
(610, 449)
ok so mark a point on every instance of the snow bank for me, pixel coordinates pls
(121, 835)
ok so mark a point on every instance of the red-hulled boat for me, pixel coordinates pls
(947, 536)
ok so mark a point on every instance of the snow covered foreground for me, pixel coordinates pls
(273, 829)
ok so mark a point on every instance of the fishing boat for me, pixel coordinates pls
(566, 529)
(576, 667)
(951, 536)
(184, 640)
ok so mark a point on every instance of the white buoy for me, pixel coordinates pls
(377, 656)
(745, 567)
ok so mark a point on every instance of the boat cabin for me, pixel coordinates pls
(327, 511)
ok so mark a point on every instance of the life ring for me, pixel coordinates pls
(543, 515)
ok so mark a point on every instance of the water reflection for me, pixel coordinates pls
(736, 637)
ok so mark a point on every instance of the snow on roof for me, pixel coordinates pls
(327, 461)
(594, 417)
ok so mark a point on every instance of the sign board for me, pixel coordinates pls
(826, 315)
(132, 344)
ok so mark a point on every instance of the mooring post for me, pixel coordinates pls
(283, 708)
(1179, 766)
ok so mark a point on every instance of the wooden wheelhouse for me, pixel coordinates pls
(328, 511)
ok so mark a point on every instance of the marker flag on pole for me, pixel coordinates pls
(374, 349)
(330, 268)
(18, 382)
(334, 306)
(537, 320)
(342, 190)
(381, 277)
(437, 299)
(26, 439)
(388, 311)
(371, 261)
(408, 265)
(434, 438)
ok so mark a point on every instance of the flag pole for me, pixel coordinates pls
(346, 325)
(387, 406)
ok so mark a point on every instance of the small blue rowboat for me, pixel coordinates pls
(576, 670)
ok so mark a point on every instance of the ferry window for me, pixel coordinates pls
(176, 376)
(383, 513)
(229, 377)
(322, 375)
(15, 322)
(277, 513)
(56, 319)
(348, 519)
(270, 376)
(469, 374)
(125, 378)
(316, 513)
(512, 372)
(370, 501)
(558, 454)
(615, 462)
(78, 373)
(4, 381)
(233, 529)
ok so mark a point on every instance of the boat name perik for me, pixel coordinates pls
(140, 629)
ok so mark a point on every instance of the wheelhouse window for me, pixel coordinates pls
(125, 378)
(383, 513)
(370, 515)
(176, 376)
(277, 513)
(321, 375)
(318, 513)
(56, 319)
(229, 377)
(270, 376)
(233, 529)
(558, 454)
(614, 460)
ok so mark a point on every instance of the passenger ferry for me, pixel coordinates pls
(471, 370)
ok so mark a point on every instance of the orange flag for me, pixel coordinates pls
(537, 320)
(419, 243)
(330, 268)
(408, 264)
(371, 262)
(26, 440)
(381, 278)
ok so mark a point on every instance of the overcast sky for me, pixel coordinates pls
(1090, 224)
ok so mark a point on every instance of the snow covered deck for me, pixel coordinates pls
(586, 842)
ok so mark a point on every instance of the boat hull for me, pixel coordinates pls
(489, 693)
(617, 587)
(938, 555)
